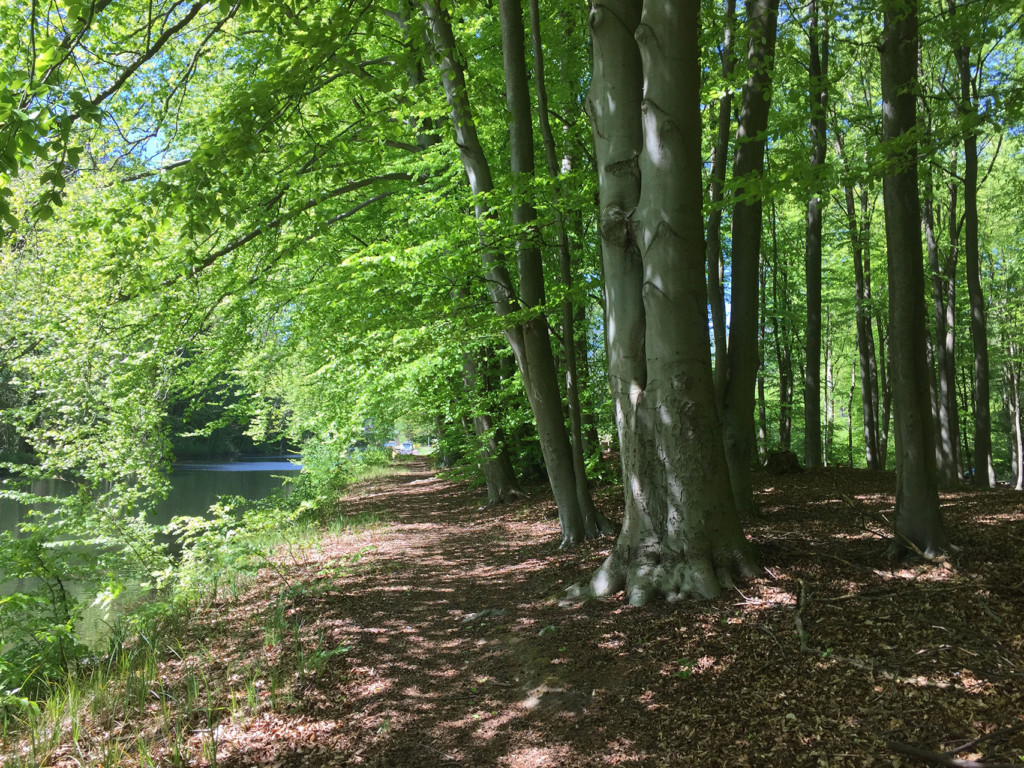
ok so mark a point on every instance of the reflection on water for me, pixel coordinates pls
(195, 487)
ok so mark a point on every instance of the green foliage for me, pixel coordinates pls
(39, 645)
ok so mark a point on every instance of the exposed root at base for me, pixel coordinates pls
(643, 574)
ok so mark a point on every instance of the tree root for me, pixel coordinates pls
(644, 573)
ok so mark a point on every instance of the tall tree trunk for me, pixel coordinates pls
(984, 473)
(494, 461)
(830, 393)
(681, 534)
(591, 515)
(918, 520)
(867, 361)
(530, 339)
(1011, 379)
(849, 416)
(943, 280)
(716, 270)
(885, 386)
(762, 408)
(748, 167)
(818, 71)
(783, 343)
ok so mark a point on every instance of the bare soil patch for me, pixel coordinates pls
(435, 641)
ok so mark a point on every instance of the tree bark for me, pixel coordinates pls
(1011, 384)
(681, 534)
(830, 395)
(494, 461)
(495, 465)
(943, 282)
(591, 515)
(748, 167)
(783, 342)
(529, 339)
(867, 361)
(716, 276)
(818, 70)
(984, 473)
(918, 521)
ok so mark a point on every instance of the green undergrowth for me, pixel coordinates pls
(241, 546)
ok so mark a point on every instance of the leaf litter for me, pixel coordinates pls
(437, 639)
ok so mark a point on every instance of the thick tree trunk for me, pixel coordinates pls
(530, 339)
(818, 71)
(984, 473)
(716, 271)
(918, 520)
(748, 167)
(593, 518)
(681, 535)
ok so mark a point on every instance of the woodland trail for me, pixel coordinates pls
(433, 640)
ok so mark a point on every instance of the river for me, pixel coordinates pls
(195, 486)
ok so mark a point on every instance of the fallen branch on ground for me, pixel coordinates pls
(949, 758)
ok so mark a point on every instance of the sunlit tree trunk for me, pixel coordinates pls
(1011, 385)
(918, 521)
(530, 340)
(830, 394)
(593, 518)
(681, 534)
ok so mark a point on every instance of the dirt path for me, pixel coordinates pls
(433, 641)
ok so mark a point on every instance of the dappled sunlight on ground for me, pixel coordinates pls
(436, 640)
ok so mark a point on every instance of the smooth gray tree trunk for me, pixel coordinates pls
(716, 270)
(681, 534)
(748, 167)
(494, 463)
(783, 338)
(984, 473)
(867, 360)
(943, 285)
(817, 42)
(591, 515)
(529, 339)
(918, 521)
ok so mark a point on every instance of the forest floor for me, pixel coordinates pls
(437, 639)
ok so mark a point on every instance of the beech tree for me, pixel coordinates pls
(817, 43)
(748, 166)
(681, 534)
(529, 338)
(918, 520)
